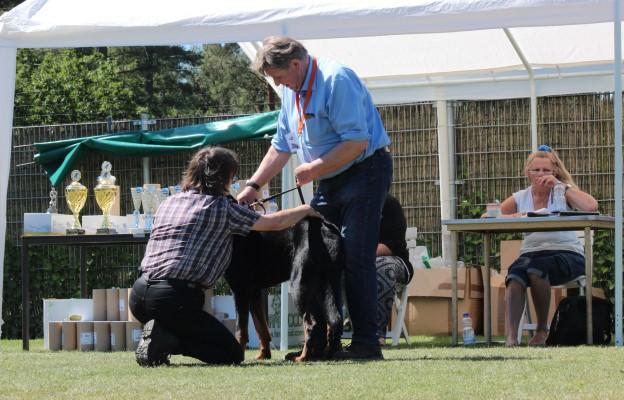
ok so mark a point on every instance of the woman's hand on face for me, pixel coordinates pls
(548, 181)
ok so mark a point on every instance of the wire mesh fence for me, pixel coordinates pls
(492, 141)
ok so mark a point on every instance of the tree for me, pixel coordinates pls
(69, 85)
(227, 84)
(162, 77)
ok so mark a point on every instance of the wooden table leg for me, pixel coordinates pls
(588, 284)
(25, 299)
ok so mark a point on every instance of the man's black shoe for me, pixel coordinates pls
(356, 351)
(155, 346)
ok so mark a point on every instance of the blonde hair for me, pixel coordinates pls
(559, 170)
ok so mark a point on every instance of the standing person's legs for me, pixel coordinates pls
(391, 278)
(354, 200)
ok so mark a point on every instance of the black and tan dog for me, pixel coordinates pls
(309, 255)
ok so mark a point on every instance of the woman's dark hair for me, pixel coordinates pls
(210, 171)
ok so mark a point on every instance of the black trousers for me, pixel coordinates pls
(178, 308)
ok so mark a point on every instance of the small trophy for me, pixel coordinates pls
(150, 197)
(164, 193)
(136, 201)
(52, 205)
(105, 195)
(173, 190)
(76, 196)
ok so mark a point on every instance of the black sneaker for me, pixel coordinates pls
(155, 345)
(357, 351)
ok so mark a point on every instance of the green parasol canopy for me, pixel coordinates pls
(59, 157)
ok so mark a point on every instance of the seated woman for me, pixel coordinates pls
(189, 249)
(394, 269)
(546, 258)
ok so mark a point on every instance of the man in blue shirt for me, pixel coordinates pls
(328, 118)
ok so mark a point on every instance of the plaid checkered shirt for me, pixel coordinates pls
(191, 238)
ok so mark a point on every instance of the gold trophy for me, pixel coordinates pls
(76, 196)
(105, 195)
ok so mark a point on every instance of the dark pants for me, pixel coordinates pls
(353, 200)
(178, 308)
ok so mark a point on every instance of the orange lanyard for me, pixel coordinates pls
(306, 101)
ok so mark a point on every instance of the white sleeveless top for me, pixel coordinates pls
(538, 241)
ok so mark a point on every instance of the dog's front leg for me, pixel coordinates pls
(258, 313)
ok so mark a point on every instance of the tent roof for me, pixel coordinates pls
(447, 49)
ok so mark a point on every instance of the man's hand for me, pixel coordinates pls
(304, 173)
(247, 196)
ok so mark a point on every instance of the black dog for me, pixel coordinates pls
(310, 255)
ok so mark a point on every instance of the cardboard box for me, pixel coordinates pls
(134, 330)
(47, 223)
(123, 304)
(118, 335)
(429, 302)
(68, 335)
(101, 336)
(55, 335)
(84, 335)
(112, 304)
(99, 304)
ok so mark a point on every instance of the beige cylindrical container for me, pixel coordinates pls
(123, 304)
(101, 336)
(118, 335)
(68, 335)
(55, 335)
(134, 330)
(99, 304)
(84, 335)
(112, 304)
(131, 316)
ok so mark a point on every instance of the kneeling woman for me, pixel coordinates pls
(189, 249)
(546, 258)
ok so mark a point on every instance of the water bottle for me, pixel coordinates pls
(469, 336)
(559, 200)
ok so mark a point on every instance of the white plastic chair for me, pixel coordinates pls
(580, 282)
(398, 327)
(400, 299)
(526, 323)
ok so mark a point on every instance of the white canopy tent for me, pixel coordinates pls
(404, 50)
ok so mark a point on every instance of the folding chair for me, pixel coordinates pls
(400, 299)
(398, 327)
(580, 283)
(526, 323)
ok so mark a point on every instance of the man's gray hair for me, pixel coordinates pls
(276, 52)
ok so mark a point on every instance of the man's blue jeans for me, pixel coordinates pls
(353, 200)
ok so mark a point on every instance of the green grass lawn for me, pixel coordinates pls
(429, 369)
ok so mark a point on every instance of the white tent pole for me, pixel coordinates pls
(289, 200)
(529, 69)
(7, 94)
(617, 116)
(446, 157)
